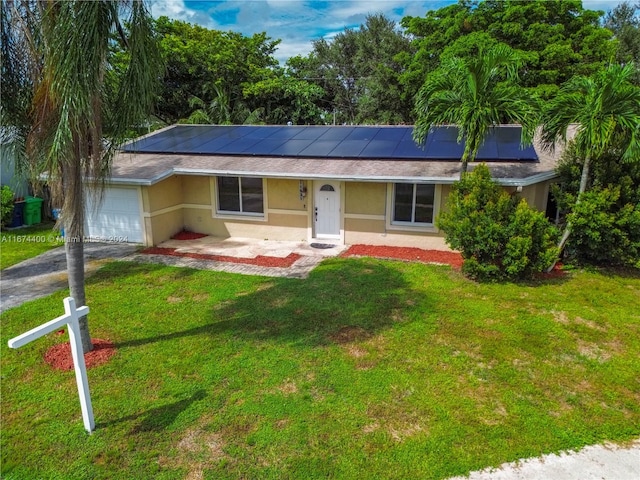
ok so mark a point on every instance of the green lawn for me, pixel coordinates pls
(367, 369)
(24, 243)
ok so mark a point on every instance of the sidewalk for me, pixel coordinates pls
(597, 462)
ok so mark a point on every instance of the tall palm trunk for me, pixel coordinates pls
(73, 220)
(584, 178)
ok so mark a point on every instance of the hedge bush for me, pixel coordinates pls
(499, 236)
(6, 205)
(606, 223)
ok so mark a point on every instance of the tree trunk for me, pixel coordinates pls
(73, 221)
(465, 166)
(74, 248)
(584, 178)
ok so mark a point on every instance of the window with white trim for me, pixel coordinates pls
(240, 195)
(413, 204)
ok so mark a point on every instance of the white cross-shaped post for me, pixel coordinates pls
(70, 318)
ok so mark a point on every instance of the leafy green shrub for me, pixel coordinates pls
(6, 204)
(499, 236)
(606, 223)
(604, 232)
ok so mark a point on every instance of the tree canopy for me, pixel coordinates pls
(359, 71)
(624, 22)
(209, 65)
(557, 39)
(371, 74)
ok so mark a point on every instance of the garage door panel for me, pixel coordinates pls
(117, 216)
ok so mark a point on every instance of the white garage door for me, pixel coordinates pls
(117, 218)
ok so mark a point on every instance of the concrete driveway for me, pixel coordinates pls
(47, 273)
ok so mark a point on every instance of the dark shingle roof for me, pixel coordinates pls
(152, 158)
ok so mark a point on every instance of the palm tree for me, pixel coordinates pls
(221, 110)
(603, 108)
(81, 104)
(476, 94)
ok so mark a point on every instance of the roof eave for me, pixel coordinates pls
(505, 182)
(527, 181)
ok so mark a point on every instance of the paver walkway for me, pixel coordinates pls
(245, 249)
(300, 269)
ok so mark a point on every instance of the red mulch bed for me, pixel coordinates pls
(59, 356)
(260, 260)
(557, 272)
(405, 253)
(186, 235)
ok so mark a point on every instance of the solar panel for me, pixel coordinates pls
(444, 149)
(212, 146)
(349, 148)
(515, 152)
(336, 133)
(291, 148)
(168, 140)
(240, 145)
(489, 148)
(407, 148)
(311, 133)
(265, 147)
(284, 133)
(379, 149)
(365, 142)
(509, 147)
(507, 134)
(319, 148)
(392, 133)
(363, 133)
(444, 134)
(260, 133)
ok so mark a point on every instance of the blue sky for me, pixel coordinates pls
(298, 22)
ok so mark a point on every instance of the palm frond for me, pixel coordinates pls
(601, 106)
(476, 95)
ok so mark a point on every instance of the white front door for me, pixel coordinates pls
(327, 209)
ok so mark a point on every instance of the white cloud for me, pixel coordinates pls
(174, 9)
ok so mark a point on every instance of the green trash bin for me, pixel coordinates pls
(32, 210)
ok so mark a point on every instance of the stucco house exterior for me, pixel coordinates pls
(343, 184)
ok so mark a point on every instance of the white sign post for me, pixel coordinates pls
(70, 318)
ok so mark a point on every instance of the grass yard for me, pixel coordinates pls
(24, 243)
(367, 369)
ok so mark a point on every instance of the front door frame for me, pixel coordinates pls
(338, 185)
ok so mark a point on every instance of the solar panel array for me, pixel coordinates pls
(353, 142)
